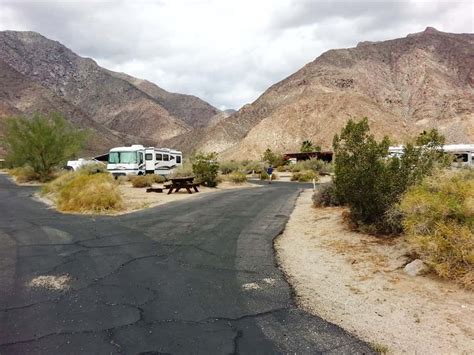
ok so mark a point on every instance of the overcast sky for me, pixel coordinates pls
(229, 51)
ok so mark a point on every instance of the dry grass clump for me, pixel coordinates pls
(142, 181)
(184, 170)
(304, 176)
(237, 177)
(24, 174)
(325, 196)
(438, 218)
(80, 192)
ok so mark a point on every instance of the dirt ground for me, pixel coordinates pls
(137, 198)
(357, 281)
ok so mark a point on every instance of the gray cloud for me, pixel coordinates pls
(225, 52)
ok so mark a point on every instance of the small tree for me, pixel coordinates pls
(206, 168)
(272, 158)
(370, 182)
(41, 142)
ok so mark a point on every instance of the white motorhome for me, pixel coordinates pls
(138, 160)
(463, 154)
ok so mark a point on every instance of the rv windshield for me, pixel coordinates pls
(123, 158)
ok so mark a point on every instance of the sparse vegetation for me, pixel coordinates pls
(142, 181)
(227, 167)
(82, 192)
(380, 348)
(237, 177)
(304, 176)
(206, 169)
(272, 158)
(184, 170)
(370, 182)
(264, 175)
(24, 174)
(41, 142)
(311, 164)
(438, 218)
(325, 196)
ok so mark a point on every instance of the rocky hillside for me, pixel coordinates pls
(120, 108)
(403, 86)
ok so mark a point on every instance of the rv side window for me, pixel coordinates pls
(171, 157)
(141, 158)
(461, 158)
(159, 157)
(148, 156)
(166, 157)
(178, 159)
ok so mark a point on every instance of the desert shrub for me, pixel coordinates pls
(264, 175)
(227, 167)
(283, 168)
(325, 196)
(275, 176)
(184, 170)
(311, 164)
(85, 193)
(237, 177)
(251, 167)
(57, 184)
(157, 179)
(41, 142)
(370, 182)
(93, 168)
(438, 219)
(272, 158)
(142, 181)
(206, 169)
(24, 174)
(304, 176)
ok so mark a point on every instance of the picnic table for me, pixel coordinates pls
(183, 183)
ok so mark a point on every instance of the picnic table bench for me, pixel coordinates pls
(179, 183)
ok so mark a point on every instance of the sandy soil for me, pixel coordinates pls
(137, 198)
(357, 281)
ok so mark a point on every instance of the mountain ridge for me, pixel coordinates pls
(403, 85)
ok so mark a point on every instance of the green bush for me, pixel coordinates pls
(75, 192)
(304, 176)
(142, 181)
(252, 167)
(24, 174)
(206, 169)
(41, 142)
(272, 158)
(227, 167)
(325, 196)
(311, 164)
(438, 218)
(370, 182)
(264, 175)
(237, 177)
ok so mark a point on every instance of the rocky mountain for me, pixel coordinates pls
(403, 86)
(119, 108)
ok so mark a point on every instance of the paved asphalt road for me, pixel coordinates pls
(190, 277)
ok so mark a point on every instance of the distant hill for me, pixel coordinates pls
(38, 74)
(403, 86)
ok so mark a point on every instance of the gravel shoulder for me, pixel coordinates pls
(357, 282)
